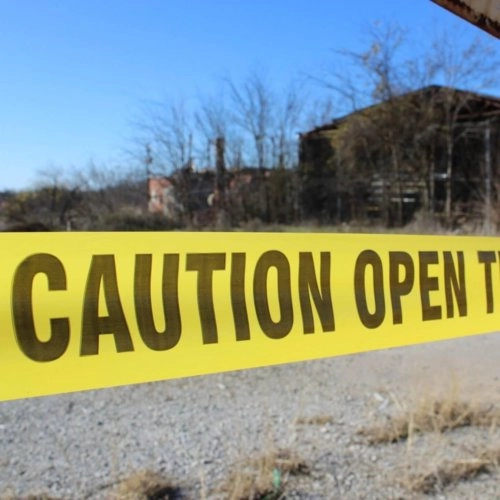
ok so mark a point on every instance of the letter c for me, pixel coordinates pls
(22, 308)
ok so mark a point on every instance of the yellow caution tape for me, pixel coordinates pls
(91, 310)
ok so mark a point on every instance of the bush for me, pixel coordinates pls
(136, 222)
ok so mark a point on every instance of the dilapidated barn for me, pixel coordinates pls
(435, 149)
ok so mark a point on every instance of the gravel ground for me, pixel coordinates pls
(198, 431)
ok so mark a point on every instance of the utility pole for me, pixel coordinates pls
(148, 160)
(220, 181)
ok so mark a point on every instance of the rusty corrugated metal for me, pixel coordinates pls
(483, 13)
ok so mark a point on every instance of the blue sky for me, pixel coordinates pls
(76, 74)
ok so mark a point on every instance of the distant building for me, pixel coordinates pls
(161, 199)
(436, 149)
(244, 194)
(185, 193)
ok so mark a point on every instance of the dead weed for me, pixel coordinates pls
(263, 477)
(447, 474)
(145, 485)
(432, 416)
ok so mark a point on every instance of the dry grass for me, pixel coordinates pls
(263, 477)
(432, 416)
(451, 472)
(435, 471)
(145, 485)
(446, 474)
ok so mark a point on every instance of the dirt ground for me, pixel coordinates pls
(412, 422)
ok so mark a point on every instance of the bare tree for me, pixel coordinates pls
(476, 66)
(52, 202)
(108, 191)
(168, 130)
(214, 120)
(289, 117)
(252, 107)
(372, 143)
(271, 118)
(406, 132)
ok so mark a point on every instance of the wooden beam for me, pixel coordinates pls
(484, 14)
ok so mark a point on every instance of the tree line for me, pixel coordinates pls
(260, 125)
